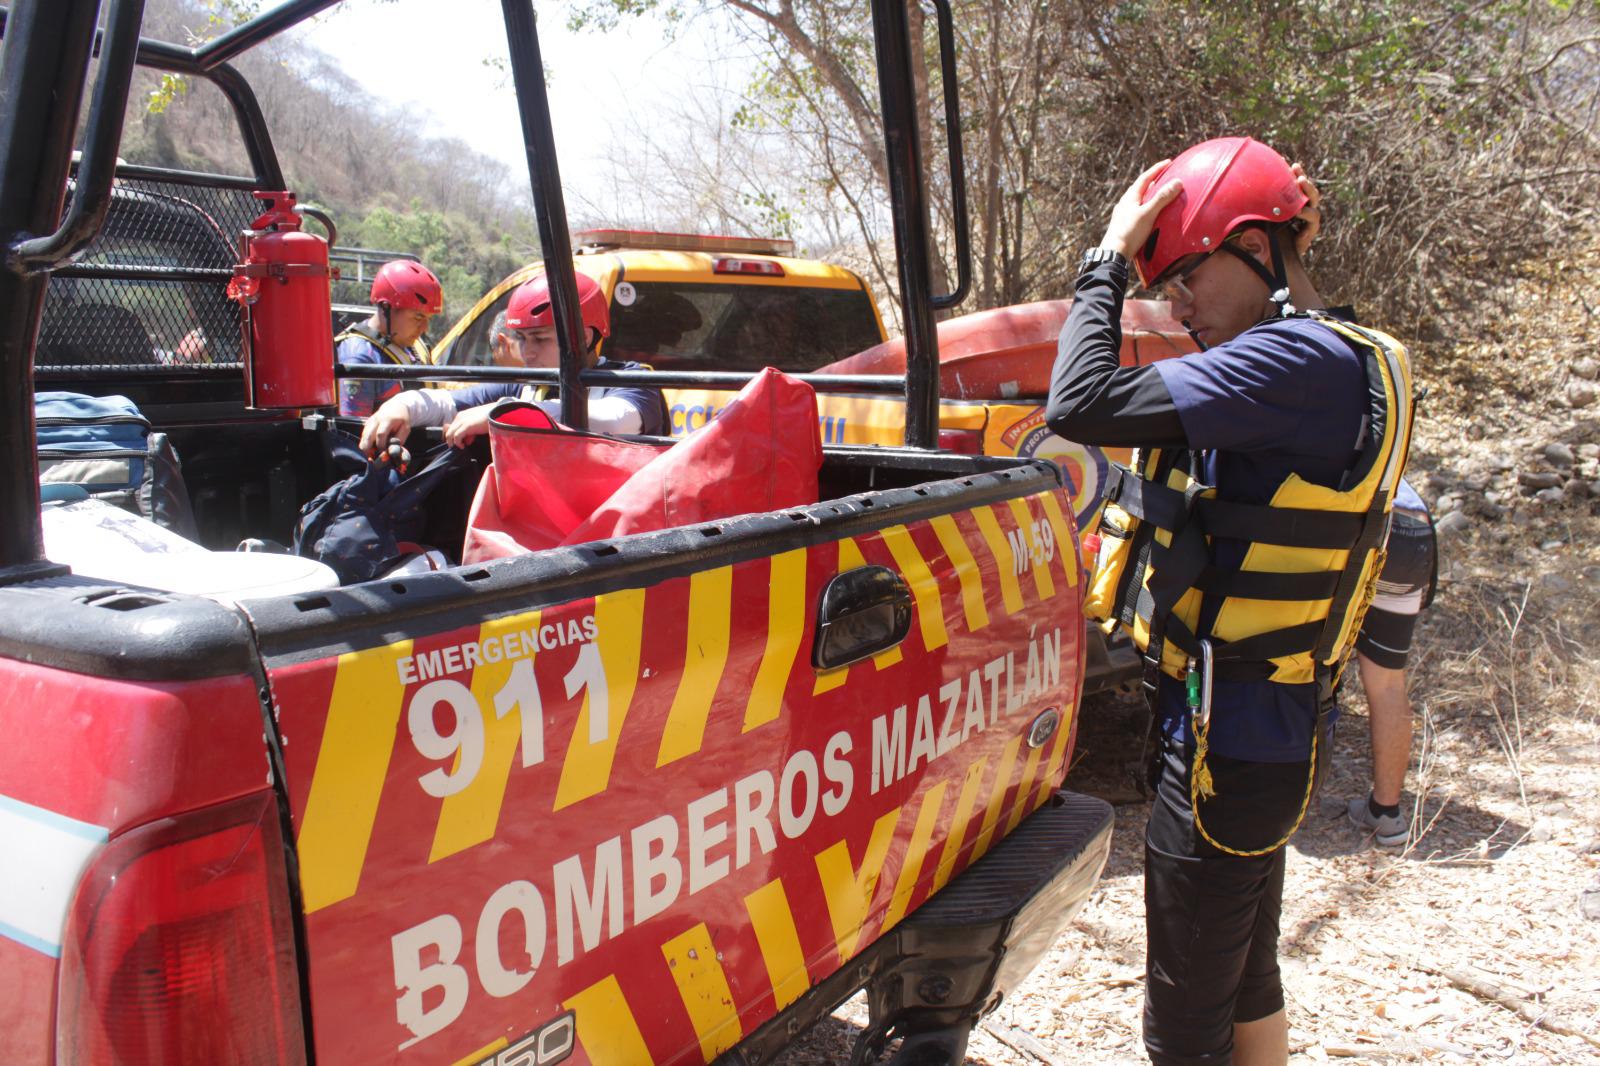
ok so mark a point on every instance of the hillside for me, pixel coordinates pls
(464, 213)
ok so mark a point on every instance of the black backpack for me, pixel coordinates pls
(369, 522)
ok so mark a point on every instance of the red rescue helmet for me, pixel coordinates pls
(530, 305)
(1227, 182)
(404, 285)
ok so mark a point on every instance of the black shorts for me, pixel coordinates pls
(1405, 587)
(1211, 919)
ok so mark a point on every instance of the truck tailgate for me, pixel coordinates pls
(600, 796)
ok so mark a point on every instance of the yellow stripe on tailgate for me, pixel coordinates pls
(704, 658)
(697, 971)
(1041, 566)
(955, 546)
(916, 852)
(773, 921)
(958, 824)
(352, 763)
(619, 626)
(1058, 751)
(470, 816)
(1063, 532)
(1019, 806)
(1004, 561)
(848, 888)
(606, 1026)
(786, 622)
(997, 794)
(924, 587)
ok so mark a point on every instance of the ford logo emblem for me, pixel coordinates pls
(1044, 727)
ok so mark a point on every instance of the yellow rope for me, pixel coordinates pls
(1201, 786)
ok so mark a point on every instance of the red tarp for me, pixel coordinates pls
(550, 486)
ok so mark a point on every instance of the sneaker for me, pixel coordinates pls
(1387, 829)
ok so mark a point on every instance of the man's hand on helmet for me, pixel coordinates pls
(1131, 220)
(389, 423)
(1311, 214)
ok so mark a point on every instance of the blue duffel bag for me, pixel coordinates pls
(105, 444)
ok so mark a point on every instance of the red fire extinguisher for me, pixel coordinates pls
(282, 285)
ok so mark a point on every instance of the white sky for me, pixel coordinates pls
(430, 55)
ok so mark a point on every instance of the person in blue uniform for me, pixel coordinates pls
(1284, 407)
(406, 296)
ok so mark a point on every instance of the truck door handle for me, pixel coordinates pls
(862, 612)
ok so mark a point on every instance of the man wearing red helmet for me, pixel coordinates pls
(1239, 551)
(406, 295)
(524, 334)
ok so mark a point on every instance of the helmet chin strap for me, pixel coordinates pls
(1277, 280)
(1198, 343)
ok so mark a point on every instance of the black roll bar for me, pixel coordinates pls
(731, 380)
(908, 203)
(43, 61)
(958, 163)
(246, 36)
(549, 206)
(92, 196)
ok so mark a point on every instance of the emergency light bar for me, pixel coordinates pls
(747, 266)
(590, 241)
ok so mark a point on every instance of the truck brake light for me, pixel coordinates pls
(961, 441)
(179, 947)
(747, 266)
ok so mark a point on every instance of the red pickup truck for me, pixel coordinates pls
(667, 797)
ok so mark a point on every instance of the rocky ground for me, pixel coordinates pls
(1480, 940)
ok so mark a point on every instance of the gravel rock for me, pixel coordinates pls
(1558, 454)
(1589, 451)
(1551, 495)
(1445, 503)
(1454, 522)
(1585, 368)
(1576, 489)
(1539, 479)
(1580, 394)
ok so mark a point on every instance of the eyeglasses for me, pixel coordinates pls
(1173, 289)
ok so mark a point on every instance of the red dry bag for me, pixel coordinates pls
(550, 486)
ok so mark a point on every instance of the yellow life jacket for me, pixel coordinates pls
(416, 355)
(1291, 613)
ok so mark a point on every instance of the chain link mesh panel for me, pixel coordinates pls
(99, 313)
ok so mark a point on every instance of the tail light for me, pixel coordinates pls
(179, 947)
(747, 266)
(962, 441)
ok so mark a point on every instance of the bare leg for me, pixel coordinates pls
(1263, 1042)
(1389, 719)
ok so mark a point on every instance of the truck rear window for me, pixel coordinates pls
(679, 326)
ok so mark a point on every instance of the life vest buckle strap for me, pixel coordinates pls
(1160, 506)
(1290, 527)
